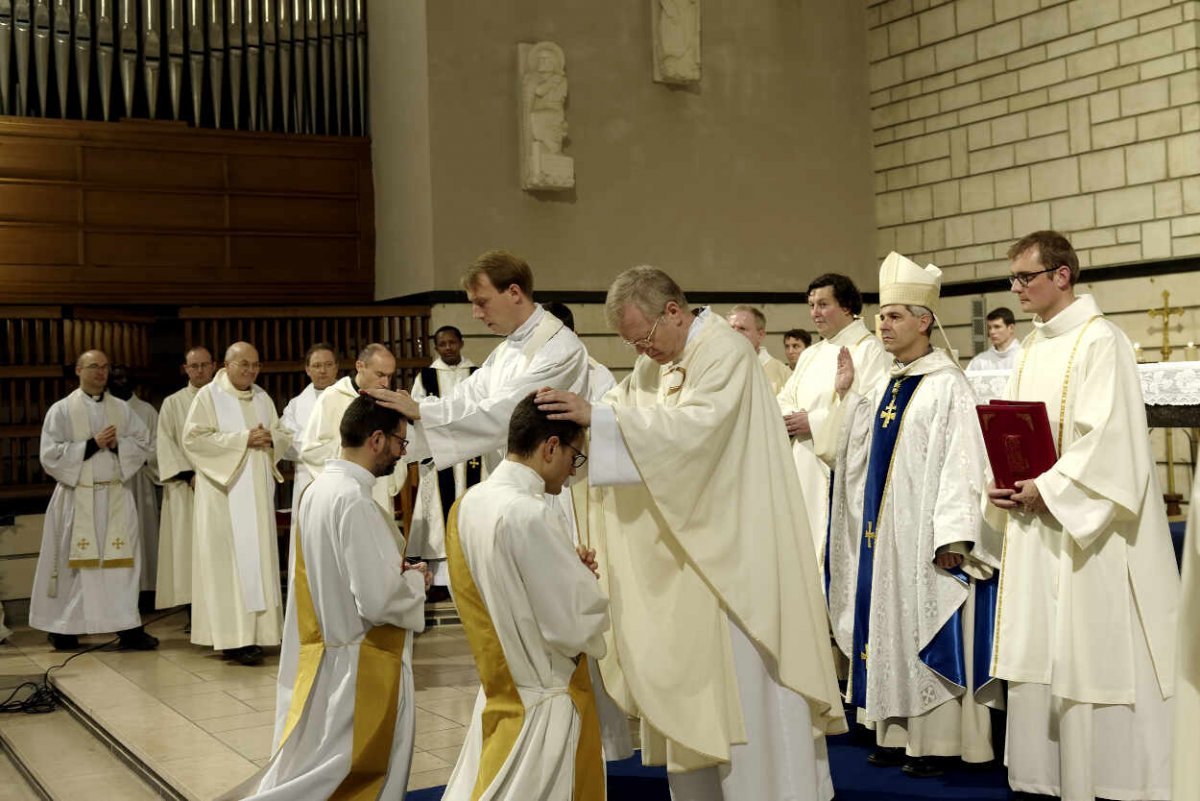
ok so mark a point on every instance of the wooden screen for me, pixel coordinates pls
(38, 348)
(143, 212)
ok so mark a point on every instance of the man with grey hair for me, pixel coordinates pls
(234, 439)
(748, 625)
(752, 324)
(904, 564)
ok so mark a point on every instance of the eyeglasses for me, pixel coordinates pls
(579, 459)
(245, 365)
(647, 340)
(403, 442)
(1024, 278)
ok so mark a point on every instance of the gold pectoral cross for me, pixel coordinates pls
(889, 412)
(870, 534)
(863, 655)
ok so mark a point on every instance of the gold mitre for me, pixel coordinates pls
(902, 281)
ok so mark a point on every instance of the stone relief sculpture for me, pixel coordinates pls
(542, 73)
(676, 28)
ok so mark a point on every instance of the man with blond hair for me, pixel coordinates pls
(752, 324)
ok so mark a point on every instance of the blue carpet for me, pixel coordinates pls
(853, 778)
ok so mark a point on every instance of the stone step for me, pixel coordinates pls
(13, 784)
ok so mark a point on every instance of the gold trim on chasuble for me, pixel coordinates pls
(376, 690)
(504, 712)
(1062, 413)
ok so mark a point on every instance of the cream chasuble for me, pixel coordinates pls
(909, 472)
(295, 419)
(1187, 685)
(146, 496)
(472, 421)
(235, 573)
(428, 539)
(810, 388)
(88, 569)
(710, 572)
(344, 709)
(1089, 591)
(777, 372)
(174, 586)
(322, 440)
(534, 615)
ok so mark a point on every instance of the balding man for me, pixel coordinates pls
(233, 437)
(375, 367)
(90, 563)
(178, 478)
(752, 324)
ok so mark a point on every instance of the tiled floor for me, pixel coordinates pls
(205, 724)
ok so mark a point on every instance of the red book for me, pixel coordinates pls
(1018, 440)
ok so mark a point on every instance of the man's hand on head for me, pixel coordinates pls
(560, 405)
(399, 401)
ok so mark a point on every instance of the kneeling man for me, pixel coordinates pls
(344, 717)
(533, 613)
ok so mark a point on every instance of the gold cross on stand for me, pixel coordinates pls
(870, 534)
(1166, 312)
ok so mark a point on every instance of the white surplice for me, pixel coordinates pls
(472, 421)
(323, 441)
(88, 600)
(600, 380)
(777, 372)
(1186, 773)
(992, 359)
(175, 469)
(355, 584)
(428, 538)
(728, 670)
(1089, 590)
(930, 502)
(145, 492)
(295, 419)
(235, 569)
(810, 388)
(545, 608)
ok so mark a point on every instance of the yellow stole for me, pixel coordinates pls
(376, 691)
(85, 551)
(504, 712)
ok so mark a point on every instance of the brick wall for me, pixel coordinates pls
(993, 118)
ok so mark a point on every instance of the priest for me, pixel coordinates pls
(178, 477)
(718, 624)
(537, 351)
(1186, 782)
(374, 367)
(751, 323)
(1089, 588)
(534, 617)
(904, 521)
(88, 570)
(438, 489)
(321, 367)
(836, 308)
(345, 713)
(234, 438)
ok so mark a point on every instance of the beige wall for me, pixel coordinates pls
(760, 171)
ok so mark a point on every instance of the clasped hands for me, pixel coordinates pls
(421, 568)
(259, 438)
(107, 438)
(588, 557)
(1025, 498)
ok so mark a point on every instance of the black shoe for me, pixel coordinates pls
(248, 655)
(437, 593)
(64, 642)
(922, 767)
(887, 757)
(137, 640)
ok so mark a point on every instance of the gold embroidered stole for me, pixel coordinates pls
(85, 550)
(504, 711)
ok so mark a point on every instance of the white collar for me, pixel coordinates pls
(525, 330)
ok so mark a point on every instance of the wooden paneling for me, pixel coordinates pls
(154, 214)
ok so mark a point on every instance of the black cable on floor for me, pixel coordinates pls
(42, 697)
